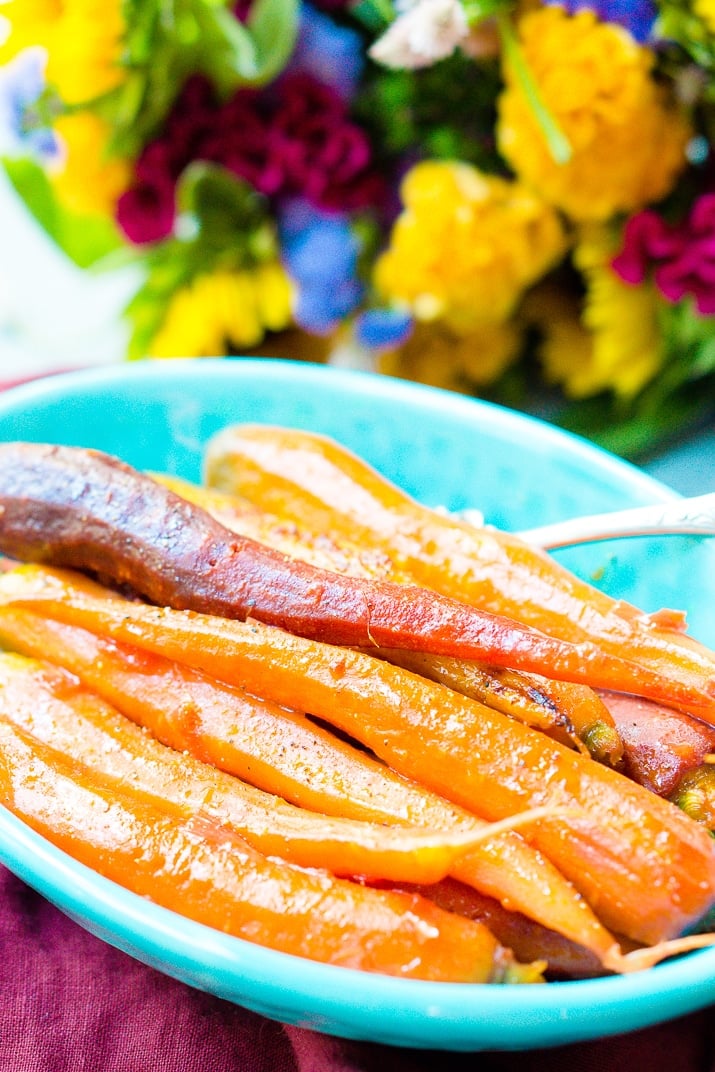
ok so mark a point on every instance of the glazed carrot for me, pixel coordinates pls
(568, 712)
(571, 714)
(300, 474)
(661, 745)
(204, 871)
(50, 704)
(528, 940)
(285, 535)
(646, 869)
(280, 751)
(84, 509)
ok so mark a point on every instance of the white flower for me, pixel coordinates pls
(428, 31)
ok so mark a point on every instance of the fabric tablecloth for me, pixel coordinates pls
(71, 1003)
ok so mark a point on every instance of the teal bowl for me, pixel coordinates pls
(443, 449)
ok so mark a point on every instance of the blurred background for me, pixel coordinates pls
(514, 200)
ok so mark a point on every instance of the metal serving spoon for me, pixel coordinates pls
(693, 517)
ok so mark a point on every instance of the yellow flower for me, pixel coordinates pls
(83, 39)
(613, 341)
(436, 356)
(466, 245)
(628, 141)
(89, 180)
(705, 10)
(224, 312)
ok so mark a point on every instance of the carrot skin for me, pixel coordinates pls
(86, 510)
(645, 868)
(207, 873)
(296, 473)
(248, 737)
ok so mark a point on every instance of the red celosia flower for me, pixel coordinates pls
(293, 139)
(681, 256)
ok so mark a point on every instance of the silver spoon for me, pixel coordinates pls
(694, 516)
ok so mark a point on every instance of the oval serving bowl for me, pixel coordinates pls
(445, 450)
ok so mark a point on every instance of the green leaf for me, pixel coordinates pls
(219, 202)
(274, 27)
(86, 240)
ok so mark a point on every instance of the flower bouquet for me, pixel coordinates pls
(510, 198)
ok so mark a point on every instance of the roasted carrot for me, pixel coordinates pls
(202, 870)
(646, 869)
(50, 704)
(281, 751)
(300, 474)
(87, 510)
(568, 712)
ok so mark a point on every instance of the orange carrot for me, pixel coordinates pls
(280, 751)
(50, 704)
(568, 712)
(646, 869)
(297, 474)
(84, 509)
(204, 871)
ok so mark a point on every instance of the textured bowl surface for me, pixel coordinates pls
(445, 450)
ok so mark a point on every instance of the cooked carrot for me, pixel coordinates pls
(51, 705)
(83, 509)
(285, 535)
(568, 712)
(661, 745)
(571, 714)
(528, 940)
(300, 474)
(279, 750)
(646, 869)
(202, 870)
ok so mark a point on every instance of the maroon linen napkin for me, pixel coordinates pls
(71, 1003)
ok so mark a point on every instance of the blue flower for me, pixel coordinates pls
(380, 329)
(320, 252)
(23, 130)
(636, 16)
(333, 54)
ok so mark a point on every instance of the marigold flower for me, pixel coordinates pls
(613, 342)
(83, 39)
(224, 312)
(705, 10)
(442, 358)
(466, 245)
(90, 180)
(627, 139)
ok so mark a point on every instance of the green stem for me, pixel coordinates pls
(557, 142)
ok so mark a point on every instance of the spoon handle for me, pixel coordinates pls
(693, 516)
